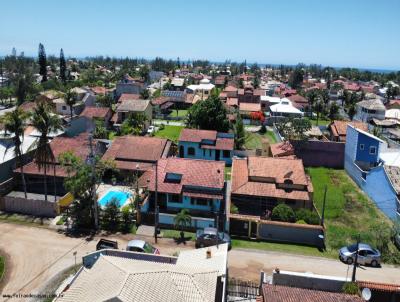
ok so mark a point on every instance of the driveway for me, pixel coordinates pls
(39, 254)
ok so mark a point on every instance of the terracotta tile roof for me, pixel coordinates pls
(98, 90)
(232, 101)
(339, 128)
(128, 96)
(230, 89)
(278, 293)
(28, 106)
(259, 176)
(197, 136)
(282, 149)
(251, 107)
(205, 174)
(130, 151)
(133, 105)
(96, 112)
(385, 287)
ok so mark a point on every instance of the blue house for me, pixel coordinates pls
(206, 144)
(364, 163)
(196, 185)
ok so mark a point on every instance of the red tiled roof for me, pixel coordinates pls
(385, 287)
(339, 128)
(232, 102)
(195, 173)
(250, 107)
(128, 96)
(197, 136)
(130, 151)
(95, 112)
(258, 176)
(28, 106)
(230, 89)
(282, 149)
(99, 90)
(278, 293)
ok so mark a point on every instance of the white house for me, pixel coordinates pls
(203, 89)
(285, 108)
(369, 109)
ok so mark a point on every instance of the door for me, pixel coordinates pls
(181, 152)
(362, 256)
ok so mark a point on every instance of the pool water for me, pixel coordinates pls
(120, 196)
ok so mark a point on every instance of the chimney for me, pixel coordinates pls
(208, 254)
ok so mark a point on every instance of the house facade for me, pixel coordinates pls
(127, 107)
(129, 85)
(206, 144)
(370, 109)
(196, 185)
(261, 183)
(366, 165)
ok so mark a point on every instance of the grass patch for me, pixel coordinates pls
(24, 219)
(254, 140)
(61, 221)
(168, 233)
(112, 135)
(348, 211)
(2, 266)
(281, 247)
(180, 113)
(321, 121)
(227, 173)
(170, 132)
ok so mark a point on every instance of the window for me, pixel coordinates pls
(191, 151)
(204, 152)
(226, 153)
(202, 202)
(64, 107)
(361, 146)
(175, 198)
(372, 150)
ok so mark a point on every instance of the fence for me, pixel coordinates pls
(242, 289)
(254, 227)
(30, 206)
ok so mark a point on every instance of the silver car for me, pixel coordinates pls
(366, 254)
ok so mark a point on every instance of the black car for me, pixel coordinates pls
(210, 236)
(106, 244)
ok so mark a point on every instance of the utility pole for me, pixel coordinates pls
(156, 205)
(93, 178)
(323, 207)
(217, 226)
(353, 278)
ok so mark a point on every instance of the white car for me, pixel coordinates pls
(151, 130)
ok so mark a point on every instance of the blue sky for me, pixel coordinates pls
(357, 33)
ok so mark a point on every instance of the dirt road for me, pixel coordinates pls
(38, 254)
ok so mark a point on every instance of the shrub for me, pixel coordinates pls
(351, 288)
(284, 213)
(301, 222)
(111, 215)
(263, 129)
(234, 209)
(310, 217)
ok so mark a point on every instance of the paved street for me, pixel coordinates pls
(37, 255)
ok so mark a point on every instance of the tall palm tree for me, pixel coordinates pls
(15, 123)
(45, 122)
(71, 98)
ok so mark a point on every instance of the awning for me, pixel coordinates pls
(203, 195)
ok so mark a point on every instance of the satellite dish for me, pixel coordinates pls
(366, 294)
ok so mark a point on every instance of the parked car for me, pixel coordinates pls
(106, 244)
(209, 236)
(151, 130)
(366, 254)
(142, 247)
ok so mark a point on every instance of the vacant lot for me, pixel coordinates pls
(170, 132)
(349, 212)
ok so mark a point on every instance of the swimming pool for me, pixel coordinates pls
(120, 196)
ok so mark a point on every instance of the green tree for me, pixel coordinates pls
(21, 90)
(45, 122)
(105, 100)
(71, 98)
(15, 123)
(182, 220)
(42, 63)
(100, 130)
(333, 111)
(240, 134)
(134, 124)
(63, 67)
(209, 114)
(296, 78)
(111, 215)
(351, 111)
(283, 213)
(145, 94)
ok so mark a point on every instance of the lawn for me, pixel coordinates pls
(254, 140)
(348, 211)
(227, 173)
(321, 121)
(181, 113)
(168, 233)
(170, 132)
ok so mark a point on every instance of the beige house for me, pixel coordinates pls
(127, 107)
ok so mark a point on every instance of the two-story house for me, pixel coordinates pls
(375, 168)
(261, 183)
(132, 106)
(129, 85)
(181, 183)
(206, 144)
(370, 109)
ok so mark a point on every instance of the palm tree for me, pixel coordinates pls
(71, 98)
(45, 122)
(182, 220)
(15, 122)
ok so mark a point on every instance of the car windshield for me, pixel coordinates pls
(221, 236)
(352, 248)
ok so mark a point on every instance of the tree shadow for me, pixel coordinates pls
(181, 240)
